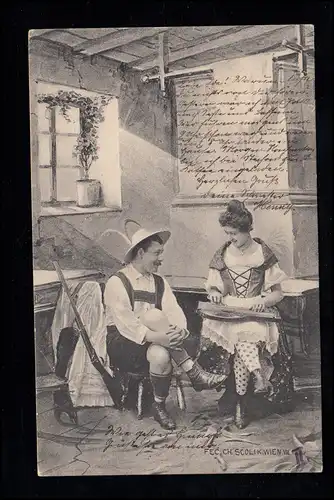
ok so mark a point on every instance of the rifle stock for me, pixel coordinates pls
(112, 383)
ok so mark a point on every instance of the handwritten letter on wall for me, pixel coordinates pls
(232, 131)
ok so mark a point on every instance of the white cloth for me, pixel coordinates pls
(119, 311)
(226, 334)
(86, 385)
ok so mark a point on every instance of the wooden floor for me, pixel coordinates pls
(81, 449)
(266, 445)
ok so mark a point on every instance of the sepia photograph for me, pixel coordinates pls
(175, 250)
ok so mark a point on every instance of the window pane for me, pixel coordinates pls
(45, 183)
(71, 125)
(66, 185)
(43, 114)
(65, 148)
(44, 149)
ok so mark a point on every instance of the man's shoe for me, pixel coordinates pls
(201, 380)
(160, 415)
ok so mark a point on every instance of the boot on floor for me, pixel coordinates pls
(160, 415)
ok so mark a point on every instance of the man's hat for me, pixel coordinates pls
(141, 235)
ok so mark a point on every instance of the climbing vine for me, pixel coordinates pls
(91, 115)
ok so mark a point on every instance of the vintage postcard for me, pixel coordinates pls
(175, 250)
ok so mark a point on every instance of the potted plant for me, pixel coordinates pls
(86, 148)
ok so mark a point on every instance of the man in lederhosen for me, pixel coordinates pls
(132, 346)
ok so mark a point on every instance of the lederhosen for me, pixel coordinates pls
(124, 354)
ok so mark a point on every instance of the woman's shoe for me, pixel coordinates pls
(261, 386)
(240, 418)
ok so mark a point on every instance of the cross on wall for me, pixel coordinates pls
(164, 74)
(299, 46)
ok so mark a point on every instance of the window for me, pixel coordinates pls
(58, 168)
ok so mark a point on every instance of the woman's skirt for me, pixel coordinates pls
(216, 359)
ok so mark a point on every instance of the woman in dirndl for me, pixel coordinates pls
(245, 273)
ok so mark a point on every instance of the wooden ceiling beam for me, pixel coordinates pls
(192, 43)
(116, 39)
(225, 41)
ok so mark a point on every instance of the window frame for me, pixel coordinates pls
(54, 166)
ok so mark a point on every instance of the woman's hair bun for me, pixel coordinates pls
(236, 207)
(237, 216)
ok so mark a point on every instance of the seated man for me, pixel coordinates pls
(132, 346)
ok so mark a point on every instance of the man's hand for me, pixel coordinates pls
(259, 306)
(215, 297)
(177, 335)
(170, 339)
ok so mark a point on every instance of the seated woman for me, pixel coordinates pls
(245, 273)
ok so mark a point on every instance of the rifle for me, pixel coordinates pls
(112, 383)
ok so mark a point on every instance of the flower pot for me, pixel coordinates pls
(88, 192)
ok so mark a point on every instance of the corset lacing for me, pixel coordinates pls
(241, 282)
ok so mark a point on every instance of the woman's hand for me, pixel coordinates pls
(259, 306)
(215, 297)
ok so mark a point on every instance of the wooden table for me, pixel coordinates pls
(47, 288)
(300, 312)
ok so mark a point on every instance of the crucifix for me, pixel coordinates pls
(299, 46)
(164, 74)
